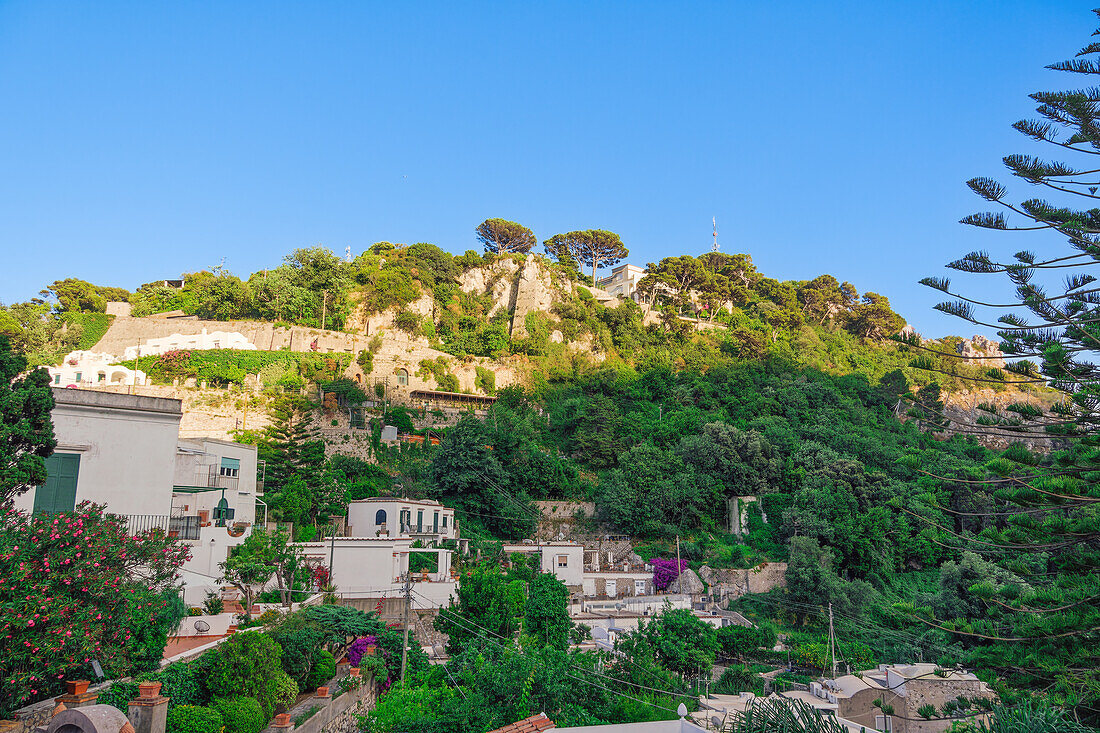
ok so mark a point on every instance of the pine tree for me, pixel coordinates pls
(1041, 626)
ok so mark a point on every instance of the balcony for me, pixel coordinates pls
(183, 527)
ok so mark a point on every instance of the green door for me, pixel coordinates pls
(58, 494)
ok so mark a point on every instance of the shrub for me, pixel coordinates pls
(486, 380)
(194, 611)
(324, 669)
(193, 719)
(213, 604)
(119, 695)
(247, 664)
(358, 649)
(182, 682)
(284, 691)
(926, 711)
(407, 321)
(240, 714)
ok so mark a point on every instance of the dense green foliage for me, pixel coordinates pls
(193, 719)
(240, 714)
(1034, 565)
(26, 430)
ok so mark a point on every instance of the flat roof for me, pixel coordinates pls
(426, 502)
(116, 401)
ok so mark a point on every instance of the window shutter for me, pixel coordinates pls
(58, 494)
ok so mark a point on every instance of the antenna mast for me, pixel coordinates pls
(714, 222)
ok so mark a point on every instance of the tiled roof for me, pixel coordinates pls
(534, 724)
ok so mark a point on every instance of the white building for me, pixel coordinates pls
(124, 451)
(394, 517)
(375, 567)
(90, 368)
(198, 342)
(112, 449)
(623, 281)
(564, 559)
(215, 493)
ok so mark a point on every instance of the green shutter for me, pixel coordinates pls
(58, 494)
(231, 463)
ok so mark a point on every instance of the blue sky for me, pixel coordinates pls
(140, 140)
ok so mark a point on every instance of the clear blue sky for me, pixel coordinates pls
(140, 140)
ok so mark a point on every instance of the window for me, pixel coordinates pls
(435, 523)
(563, 561)
(403, 376)
(380, 517)
(639, 587)
(77, 376)
(406, 519)
(57, 378)
(58, 494)
(884, 723)
(444, 522)
(609, 587)
(419, 520)
(101, 377)
(230, 467)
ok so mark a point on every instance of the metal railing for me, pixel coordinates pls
(184, 527)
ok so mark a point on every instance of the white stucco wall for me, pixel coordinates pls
(363, 512)
(198, 341)
(88, 368)
(127, 449)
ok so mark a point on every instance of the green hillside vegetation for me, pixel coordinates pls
(821, 324)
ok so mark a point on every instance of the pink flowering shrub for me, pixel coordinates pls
(665, 571)
(75, 587)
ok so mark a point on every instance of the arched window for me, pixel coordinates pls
(403, 376)
(380, 517)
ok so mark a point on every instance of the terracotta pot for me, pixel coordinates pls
(149, 689)
(371, 649)
(76, 687)
(322, 692)
(282, 720)
(353, 672)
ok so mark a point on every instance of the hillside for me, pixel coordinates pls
(719, 392)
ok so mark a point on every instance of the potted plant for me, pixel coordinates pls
(76, 687)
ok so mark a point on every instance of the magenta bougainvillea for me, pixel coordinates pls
(666, 571)
(75, 587)
(358, 649)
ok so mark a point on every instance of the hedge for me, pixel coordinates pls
(193, 719)
(240, 714)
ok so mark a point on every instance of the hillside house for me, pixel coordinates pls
(375, 568)
(124, 451)
(215, 489)
(202, 341)
(86, 368)
(393, 517)
(623, 282)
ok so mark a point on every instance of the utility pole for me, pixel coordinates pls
(832, 640)
(408, 608)
(331, 552)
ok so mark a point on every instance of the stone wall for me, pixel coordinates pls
(335, 714)
(730, 583)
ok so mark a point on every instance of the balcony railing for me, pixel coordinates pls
(184, 527)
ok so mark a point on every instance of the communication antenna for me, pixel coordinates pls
(347, 253)
(714, 221)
